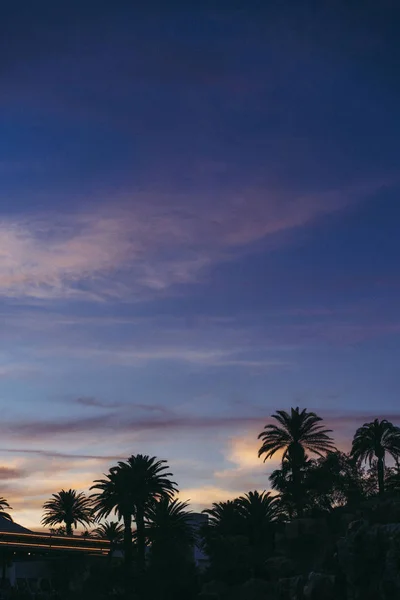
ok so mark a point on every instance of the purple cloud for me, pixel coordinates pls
(76, 255)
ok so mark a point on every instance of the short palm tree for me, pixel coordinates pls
(375, 440)
(68, 507)
(168, 525)
(259, 512)
(297, 433)
(128, 490)
(111, 531)
(4, 507)
(225, 519)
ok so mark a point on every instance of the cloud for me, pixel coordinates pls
(96, 403)
(124, 422)
(133, 407)
(203, 497)
(8, 473)
(243, 472)
(120, 423)
(61, 455)
(18, 371)
(149, 243)
(210, 357)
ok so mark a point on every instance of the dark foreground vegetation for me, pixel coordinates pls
(329, 530)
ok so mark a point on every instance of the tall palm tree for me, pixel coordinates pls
(68, 507)
(128, 490)
(115, 495)
(375, 440)
(4, 507)
(297, 432)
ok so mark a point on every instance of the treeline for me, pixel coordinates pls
(156, 530)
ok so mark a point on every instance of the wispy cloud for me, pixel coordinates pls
(121, 423)
(152, 242)
(125, 422)
(60, 455)
(133, 407)
(9, 473)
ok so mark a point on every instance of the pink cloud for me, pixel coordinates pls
(149, 243)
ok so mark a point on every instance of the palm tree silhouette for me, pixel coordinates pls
(375, 440)
(169, 525)
(4, 507)
(68, 507)
(171, 537)
(128, 490)
(115, 496)
(225, 519)
(259, 512)
(111, 531)
(297, 432)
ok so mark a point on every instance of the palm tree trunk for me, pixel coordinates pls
(141, 539)
(68, 529)
(128, 542)
(381, 476)
(297, 492)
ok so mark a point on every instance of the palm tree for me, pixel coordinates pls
(68, 507)
(128, 490)
(224, 518)
(259, 512)
(169, 525)
(297, 432)
(111, 531)
(115, 496)
(170, 533)
(4, 507)
(375, 440)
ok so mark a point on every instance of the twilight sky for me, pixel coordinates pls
(199, 224)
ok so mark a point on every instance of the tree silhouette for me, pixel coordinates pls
(375, 440)
(115, 496)
(328, 482)
(68, 507)
(168, 524)
(58, 531)
(240, 534)
(170, 534)
(297, 432)
(225, 519)
(392, 480)
(334, 480)
(128, 490)
(111, 531)
(259, 512)
(4, 507)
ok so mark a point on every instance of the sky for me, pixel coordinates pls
(199, 216)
